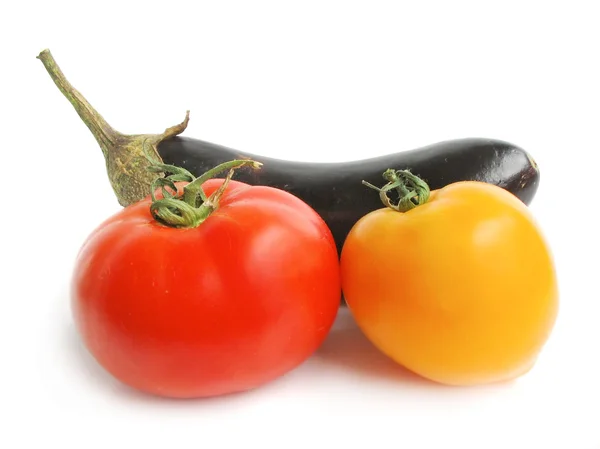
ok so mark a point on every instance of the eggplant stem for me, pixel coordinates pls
(127, 156)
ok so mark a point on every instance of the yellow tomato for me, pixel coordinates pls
(460, 289)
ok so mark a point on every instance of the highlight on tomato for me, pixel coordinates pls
(206, 287)
(457, 285)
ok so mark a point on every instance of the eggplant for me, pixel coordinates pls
(334, 190)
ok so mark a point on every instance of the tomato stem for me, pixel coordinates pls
(412, 190)
(192, 207)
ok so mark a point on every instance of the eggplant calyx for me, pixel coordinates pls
(127, 157)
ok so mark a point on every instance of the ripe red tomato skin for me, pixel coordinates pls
(222, 308)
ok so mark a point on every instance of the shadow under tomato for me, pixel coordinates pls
(99, 378)
(347, 347)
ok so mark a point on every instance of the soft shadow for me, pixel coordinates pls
(101, 379)
(347, 347)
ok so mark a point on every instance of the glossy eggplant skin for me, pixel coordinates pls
(335, 190)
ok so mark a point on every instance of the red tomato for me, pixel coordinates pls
(225, 307)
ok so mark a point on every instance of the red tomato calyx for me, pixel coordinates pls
(192, 207)
(412, 191)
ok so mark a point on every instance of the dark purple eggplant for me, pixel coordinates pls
(334, 190)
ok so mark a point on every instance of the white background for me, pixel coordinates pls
(306, 81)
